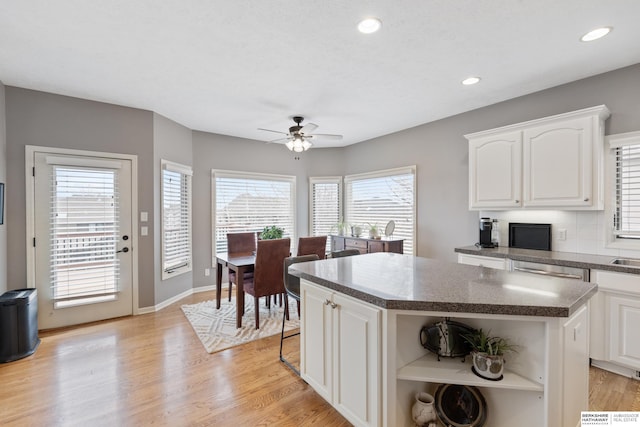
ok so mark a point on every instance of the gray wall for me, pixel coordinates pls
(171, 141)
(44, 119)
(3, 175)
(440, 151)
(212, 151)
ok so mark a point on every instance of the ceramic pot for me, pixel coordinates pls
(488, 366)
(423, 411)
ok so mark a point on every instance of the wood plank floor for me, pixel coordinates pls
(153, 370)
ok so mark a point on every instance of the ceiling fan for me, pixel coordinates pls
(299, 137)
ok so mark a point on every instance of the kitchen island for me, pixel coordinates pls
(360, 346)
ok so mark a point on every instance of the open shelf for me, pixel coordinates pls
(454, 371)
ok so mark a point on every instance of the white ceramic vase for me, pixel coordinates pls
(423, 411)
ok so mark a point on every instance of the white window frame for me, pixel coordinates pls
(290, 179)
(186, 172)
(611, 142)
(325, 180)
(348, 179)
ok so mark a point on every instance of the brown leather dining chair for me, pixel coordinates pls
(313, 245)
(268, 271)
(240, 243)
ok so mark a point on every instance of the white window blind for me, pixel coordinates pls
(379, 197)
(250, 202)
(84, 233)
(325, 204)
(627, 187)
(176, 219)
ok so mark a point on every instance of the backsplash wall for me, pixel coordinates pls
(585, 230)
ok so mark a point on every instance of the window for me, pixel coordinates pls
(325, 205)
(83, 233)
(625, 151)
(176, 219)
(379, 197)
(249, 202)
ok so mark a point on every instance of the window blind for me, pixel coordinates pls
(627, 189)
(176, 218)
(377, 198)
(326, 205)
(250, 202)
(84, 233)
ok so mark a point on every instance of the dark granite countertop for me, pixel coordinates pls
(406, 282)
(567, 259)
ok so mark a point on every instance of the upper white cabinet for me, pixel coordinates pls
(496, 177)
(553, 163)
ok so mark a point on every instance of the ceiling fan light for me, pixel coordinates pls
(289, 145)
(306, 145)
(298, 149)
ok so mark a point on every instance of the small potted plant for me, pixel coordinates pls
(488, 353)
(341, 226)
(272, 232)
(373, 231)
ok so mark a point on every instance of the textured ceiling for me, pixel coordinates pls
(232, 66)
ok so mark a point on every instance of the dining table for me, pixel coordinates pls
(239, 262)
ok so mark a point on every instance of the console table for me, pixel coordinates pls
(366, 245)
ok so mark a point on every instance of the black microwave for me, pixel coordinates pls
(530, 236)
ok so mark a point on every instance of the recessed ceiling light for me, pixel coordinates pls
(470, 81)
(596, 34)
(369, 25)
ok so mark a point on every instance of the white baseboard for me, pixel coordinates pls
(166, 303)
(616, 369)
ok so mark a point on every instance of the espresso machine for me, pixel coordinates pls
(486, 225)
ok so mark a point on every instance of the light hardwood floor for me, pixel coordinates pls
(153, 370)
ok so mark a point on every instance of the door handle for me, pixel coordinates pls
(125, 250)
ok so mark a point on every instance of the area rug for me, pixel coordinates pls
(217, 330)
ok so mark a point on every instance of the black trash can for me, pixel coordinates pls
(18, 324)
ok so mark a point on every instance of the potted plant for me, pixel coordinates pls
(341, 226)
(488, 353)
(272, 232)
(374, 232)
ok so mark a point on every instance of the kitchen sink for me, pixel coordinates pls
(627, 262)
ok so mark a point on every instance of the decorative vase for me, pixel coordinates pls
(357, 231)
(423, 411)
(488, 366)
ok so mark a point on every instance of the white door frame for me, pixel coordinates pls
(30, 150)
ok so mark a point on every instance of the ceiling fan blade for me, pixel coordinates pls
(274, 131)
(324, 136)
(308, 128)
(277, 141)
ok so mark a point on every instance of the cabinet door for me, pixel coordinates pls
(558, 164)
(356, 367)
(624, 341)
(495, 171)
(315, 339)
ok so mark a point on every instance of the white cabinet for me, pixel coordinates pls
(615, 336)
(340, 352)
(495, 171)
(483, 261)
(553, 162)
(624, 341)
